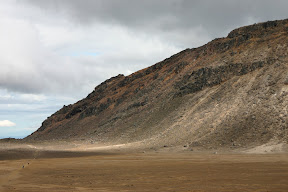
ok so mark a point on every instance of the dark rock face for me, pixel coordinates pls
(231, 92)
(208, 77)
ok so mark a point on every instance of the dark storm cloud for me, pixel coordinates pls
(215, 16)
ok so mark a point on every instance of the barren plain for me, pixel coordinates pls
(34, 169)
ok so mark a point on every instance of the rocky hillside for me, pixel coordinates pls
(232, 91)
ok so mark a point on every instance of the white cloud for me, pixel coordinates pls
(46, 54)
(33, 97)
(7, 123)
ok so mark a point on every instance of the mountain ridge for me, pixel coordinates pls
(219, 94)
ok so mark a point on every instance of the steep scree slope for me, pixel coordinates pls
(232, 91)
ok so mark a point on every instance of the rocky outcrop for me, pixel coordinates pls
(208, 77)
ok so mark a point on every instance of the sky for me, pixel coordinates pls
(54, 52)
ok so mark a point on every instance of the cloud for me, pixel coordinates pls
(41, 56)
(7, 123)
(67, 47)
(171, 15)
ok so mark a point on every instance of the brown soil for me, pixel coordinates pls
(152, 171)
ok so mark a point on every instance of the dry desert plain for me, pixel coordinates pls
(46, 169)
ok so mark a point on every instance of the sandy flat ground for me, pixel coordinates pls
(92, 171)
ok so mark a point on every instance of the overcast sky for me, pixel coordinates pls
(54, 52)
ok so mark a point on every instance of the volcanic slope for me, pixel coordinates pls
(232, 91)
